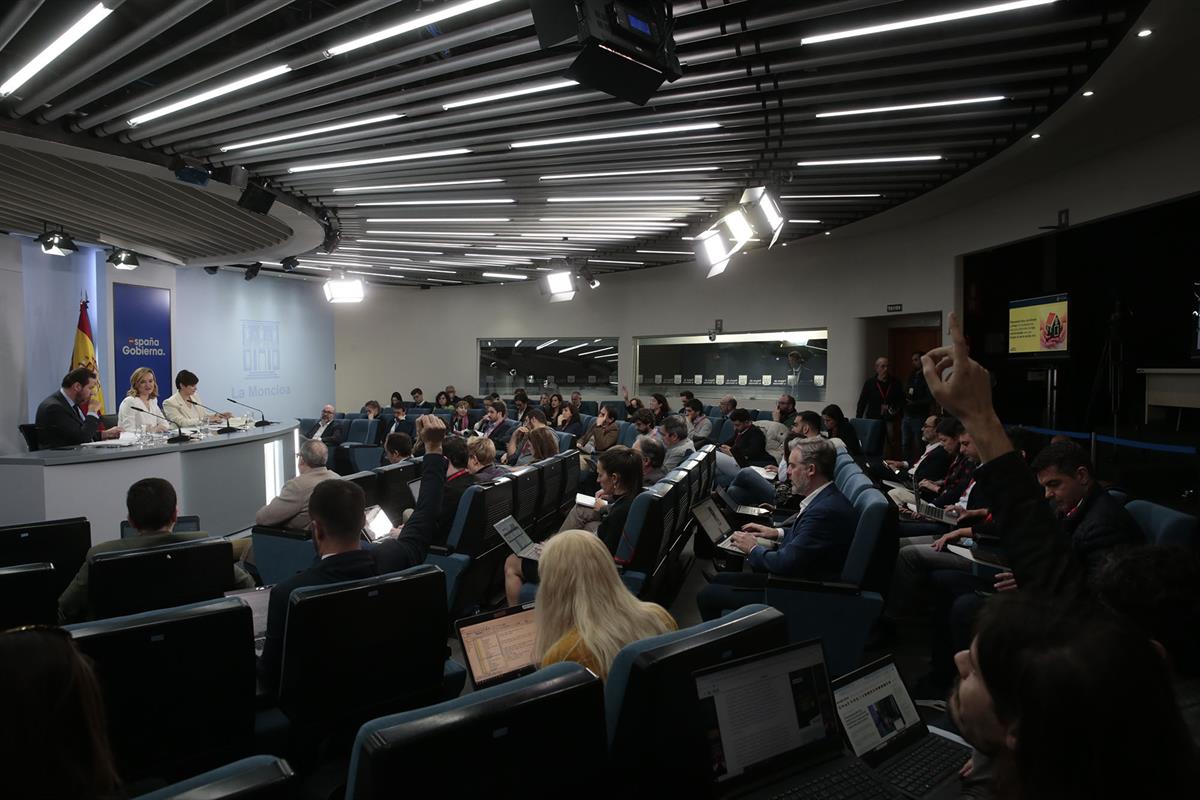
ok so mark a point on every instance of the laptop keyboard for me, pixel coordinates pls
(851, 781)
(926, 765)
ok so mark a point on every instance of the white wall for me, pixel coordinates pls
(13, 401)
(400, 338)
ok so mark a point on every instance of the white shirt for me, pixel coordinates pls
(929, 448)
(131, 420)
(320, 431)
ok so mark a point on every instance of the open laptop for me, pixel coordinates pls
(930, 512)
(379, 524)
(517, 539)
(885, 730)
(772, 731)
(745, 511)
(717, 528)
(258, 599)
(498, 645)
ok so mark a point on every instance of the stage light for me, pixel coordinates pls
(252, 271)
(560, 286)
(57, 243)
(289, 264)
(123, 259)
(212, 270)
(761, 211)
(344, 290)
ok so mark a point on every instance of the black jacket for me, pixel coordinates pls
(750, 447)
(613, 525)
(849, 437)
(875, 395)
(918, 400)
(392, 425)
(451, 494)
(1099, 526)
(410, 548)
(349, 566)
(59, 426)
(335, 432)
(933, 467)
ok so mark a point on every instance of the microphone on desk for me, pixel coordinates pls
(262, 423)
(227, 429)
(182, 437)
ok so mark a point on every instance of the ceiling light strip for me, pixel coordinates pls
(883, 160)
(627, 172)
(410, 24)
(94, 16)
(363, 162)
(917, 22)
(626, 134)
(912, 106)
(504, 95)
(388, 187)
(203, 97)
(311, 132)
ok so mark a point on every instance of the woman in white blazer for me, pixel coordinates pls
(142, 397)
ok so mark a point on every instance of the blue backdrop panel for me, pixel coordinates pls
(142, 335)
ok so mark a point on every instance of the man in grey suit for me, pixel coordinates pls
(290, 508)
(60, 421)
(153, 508)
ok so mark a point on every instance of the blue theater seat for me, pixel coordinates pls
(1162, 525)
(253, 778)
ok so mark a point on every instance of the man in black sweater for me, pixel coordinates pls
(338, 511)
(749, 445)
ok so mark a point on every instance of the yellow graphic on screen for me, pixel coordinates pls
(1038, 325)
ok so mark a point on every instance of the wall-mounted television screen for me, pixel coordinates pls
(1038, 326)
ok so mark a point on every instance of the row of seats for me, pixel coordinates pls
(636, 733)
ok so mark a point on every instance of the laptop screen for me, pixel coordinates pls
(711, 520)
(512, 533)
(499, 645)
(875, 707)
(767, 711)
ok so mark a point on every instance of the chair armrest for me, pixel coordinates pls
(439, 550)
(803, 585)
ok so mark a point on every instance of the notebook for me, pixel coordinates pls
(498, 645)
(771, 729)
(886, 731)
(517, 539)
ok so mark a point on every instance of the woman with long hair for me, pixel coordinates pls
(397, 401)
(461, 422)
(553, 409)
(442, 402)
(568, 420)
(584, 613)
(659, 408)
(140, 403)
(53, 734)
(838, 427)
(544, 443)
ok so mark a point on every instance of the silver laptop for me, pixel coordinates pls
(884, 730)
(518, 540)
(717, 528)
(259, 600)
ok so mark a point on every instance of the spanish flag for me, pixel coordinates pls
(84, 355)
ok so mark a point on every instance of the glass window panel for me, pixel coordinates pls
(588, 365)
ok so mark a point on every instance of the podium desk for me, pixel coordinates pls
(223, 478)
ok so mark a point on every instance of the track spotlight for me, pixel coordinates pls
(344, 290)
(57, 243)
(289, 264)
(586, 275)
(212, 270)
(252, 271)
(123, 259)
(763, 214)
(559, 286)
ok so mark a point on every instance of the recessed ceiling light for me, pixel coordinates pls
(625, 134)
(920, 21)
(1144, 32)
(885, 160)
(910, 106)
(311, 132)
(1088, 93)
(361, 162)
(387, 187)
(504, 95)
(626, 172)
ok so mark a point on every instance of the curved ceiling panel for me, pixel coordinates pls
(440, 141)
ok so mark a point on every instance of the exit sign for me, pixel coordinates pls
(892, 307)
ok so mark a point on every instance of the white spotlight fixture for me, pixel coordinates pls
(344, 290)
(362, 162)
(70, 36)
(627, 134)
(910, 106)
(411, 24)
(883, 160)
(203, 97)
(387, 187)
(917, 22)
(761, 211)
(560, 286)
(723, 241)
(121, 258)
(504, 95)
(57, 243)
(506, 276)
(283, 137)
(625, 173)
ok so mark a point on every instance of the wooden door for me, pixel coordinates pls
(903, 342)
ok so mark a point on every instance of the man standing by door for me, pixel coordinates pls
(918, 404)
(882, 398)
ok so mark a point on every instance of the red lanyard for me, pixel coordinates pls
(882, 392)
(455, 475)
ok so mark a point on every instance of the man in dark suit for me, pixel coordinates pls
(749, 445)
(398, 423)
(60, 421)
(327, 429)
(815, 547)
(496, 425)
(458, 478)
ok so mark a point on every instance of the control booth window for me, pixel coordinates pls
(587, 365)
(755, 368)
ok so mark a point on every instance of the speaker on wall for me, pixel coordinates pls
(256, 199)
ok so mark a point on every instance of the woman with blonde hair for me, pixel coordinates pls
(140, 403)
(584, 613)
